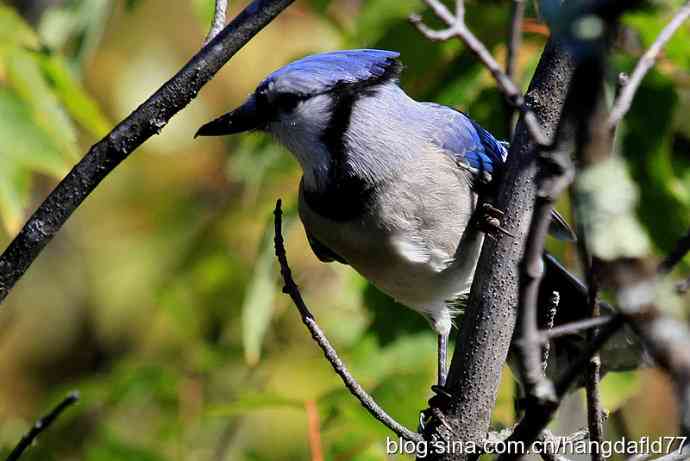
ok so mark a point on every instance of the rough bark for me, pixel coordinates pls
(487, 327)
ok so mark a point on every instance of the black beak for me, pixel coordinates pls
(244, 118)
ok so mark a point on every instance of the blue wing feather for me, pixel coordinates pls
(321, 72)
(468, 143)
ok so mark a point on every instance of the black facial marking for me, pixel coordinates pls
(345, 195)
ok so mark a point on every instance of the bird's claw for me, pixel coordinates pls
(489, 221)
(440, 399)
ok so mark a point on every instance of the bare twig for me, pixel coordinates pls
(457, 28)
(41, 425)
(646, 62)
(353, 386)
(547, 436)
(595, 412)
(546, 320)
(538, 416)
(555, 174)
(219, 15)
(147, 120)
(574, 328)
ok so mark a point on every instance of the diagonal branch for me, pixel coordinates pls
(458, 29)
(41, 425)
(219, 15)
(147, 120)
(514, 43)
(308, 319)
(646, 62)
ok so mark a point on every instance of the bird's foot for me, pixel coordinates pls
(488, 220)
(432, 418)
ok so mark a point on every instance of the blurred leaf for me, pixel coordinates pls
(22, 142)
(14, 31)
(320, 6)
(76, 100)
(380, 306)
(76, 27)
(646, 144)
(130, 5)
(204, 12)
(616, 388)
(376, 16)
(114, 449)
(504, 411)
(254, 401)
(649, 26)
(257, 308)
(607, 199)
(25, 76)
(14, 193)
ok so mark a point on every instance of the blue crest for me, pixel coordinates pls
(322, 72)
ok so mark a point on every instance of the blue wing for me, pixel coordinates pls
(469, 144)
(319, 73)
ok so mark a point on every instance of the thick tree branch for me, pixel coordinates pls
(147, 120)
(646, 62)
(350, 382)
(219, 17)
(487, 327)
(41, 425)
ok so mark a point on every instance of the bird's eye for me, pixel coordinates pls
(287, 101)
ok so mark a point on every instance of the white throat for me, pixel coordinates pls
(301, 131)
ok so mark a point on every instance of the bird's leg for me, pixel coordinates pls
(488, 219)
(442, 351)
(441, 396)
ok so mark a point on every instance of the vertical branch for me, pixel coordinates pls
(595, 412)
(476, 365)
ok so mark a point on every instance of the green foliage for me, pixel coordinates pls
(163, 289)
(40, 99)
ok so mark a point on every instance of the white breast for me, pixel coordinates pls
(411, 242)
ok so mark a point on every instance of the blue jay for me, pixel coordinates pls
(390, 185)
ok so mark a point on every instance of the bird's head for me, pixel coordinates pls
(300, 102)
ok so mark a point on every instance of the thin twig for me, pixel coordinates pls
(534, 421)
(595, 411)
(458, 28)
(308, 319)
(147, 120)
(547, 436)
(41, 425)
(646, 62)
(219, 17)
(546, 322)
(574, 328)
